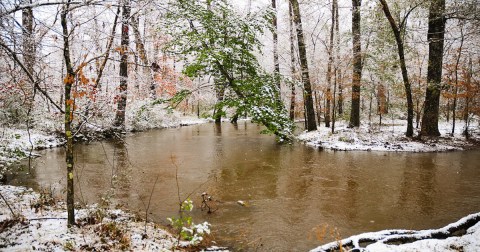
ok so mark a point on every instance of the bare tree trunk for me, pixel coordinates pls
(219, 93)
(467, 97)
(123, 88)
(334, 108)
(310, 113)
(337, 67)
(329, 69)
(455, 93)
(436, 34)
(275, 46)
(68, 81)
(142, 54)
(337, 61)
(292, 62)
(403, 66)
(28, 47)
(357, 65)
(340, 93)
(318, 101)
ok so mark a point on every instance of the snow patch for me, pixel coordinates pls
(45, 228)
(440, 240)
(388, 137)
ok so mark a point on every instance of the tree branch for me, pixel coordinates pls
(29, 75)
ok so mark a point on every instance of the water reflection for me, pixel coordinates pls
(289, 189)
(418, 184)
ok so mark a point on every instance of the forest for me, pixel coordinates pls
(111, 89)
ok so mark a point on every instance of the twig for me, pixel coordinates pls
(172, 158)
(47, 218)
(148, 205)
(8, 205)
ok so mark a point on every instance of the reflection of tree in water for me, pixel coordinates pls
(121, 180)
(102, 174)
(246, 169)
(218, 129)
(298, 186)
(418, 184)
(351, 192)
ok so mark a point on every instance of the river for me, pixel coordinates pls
(296, 197)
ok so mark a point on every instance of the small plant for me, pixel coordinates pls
(187, 230)
(94, 217)
(69, 245)
(346, 139)
(115, 233)
(46, 199)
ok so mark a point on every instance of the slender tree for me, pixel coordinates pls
(401, 54)
(336, 62)
(275, 43)
(357, 64)
(436, 34)
(455, 94)
(28, 38)
(68, 81)
(308, 100)
(292, 62)
(329, 69)
(123, 88)
(337, 67)
(142, 54)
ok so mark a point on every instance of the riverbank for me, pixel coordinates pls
(33, 221)
(390, 136)
(462, 235)
(17, 144)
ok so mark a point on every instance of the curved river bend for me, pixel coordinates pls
(296, 197)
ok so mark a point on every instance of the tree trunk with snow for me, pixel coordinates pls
(436, 34)
(276, 64)
(455, 93)
(69, 80)
(28, 47)
(123, 88)
(357, 65)
(329, 70)
(308, 99)
(292, 62)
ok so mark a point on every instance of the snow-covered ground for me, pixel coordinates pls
(146, 116)
(389, 137)
(41, 224)
(16, 144)
(448, 238)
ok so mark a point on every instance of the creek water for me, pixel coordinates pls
(295, 197)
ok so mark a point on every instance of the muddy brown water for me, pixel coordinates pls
(296, 197)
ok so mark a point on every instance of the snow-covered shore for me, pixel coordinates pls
(17, 144)
(389, 137)
(33, 221)
(448, 238)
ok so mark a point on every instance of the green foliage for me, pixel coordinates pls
(185, 227)
(213, 40)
